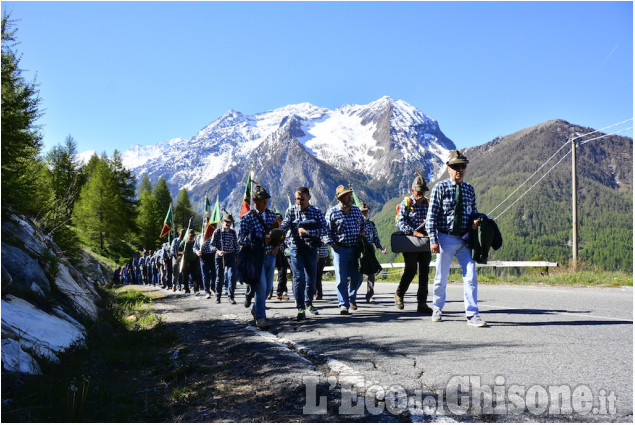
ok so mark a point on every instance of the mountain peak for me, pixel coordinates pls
(373, 144)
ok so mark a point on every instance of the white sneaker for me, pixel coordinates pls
(436, 315)
(476, 321)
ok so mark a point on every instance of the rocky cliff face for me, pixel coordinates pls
(44, 297)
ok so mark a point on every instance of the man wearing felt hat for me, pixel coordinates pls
(255, 228)
(344, 225)
(225, 243)
(452, 201)
(411, 219)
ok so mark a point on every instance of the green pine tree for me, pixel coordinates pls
(163, 196)
(149, 220)
(126, 190)
(145, 184)
(183, 209)
(21, 139)
(66, 174)
(97, 209)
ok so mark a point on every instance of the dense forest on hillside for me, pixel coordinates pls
(539, 226)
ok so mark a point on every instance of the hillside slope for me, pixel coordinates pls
(538, 226)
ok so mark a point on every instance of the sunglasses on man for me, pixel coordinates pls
(458, 166)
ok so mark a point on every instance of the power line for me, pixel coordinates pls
(554, 166)
(605, 135)
(532, 186)
(529, 178)
(610, 126)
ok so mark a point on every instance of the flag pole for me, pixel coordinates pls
(251, 184)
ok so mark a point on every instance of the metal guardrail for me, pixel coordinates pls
(494, 264)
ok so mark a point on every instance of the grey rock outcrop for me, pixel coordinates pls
(45, 298)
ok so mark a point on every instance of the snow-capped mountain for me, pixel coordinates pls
(375, 147)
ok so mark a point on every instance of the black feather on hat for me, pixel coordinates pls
(419, 183)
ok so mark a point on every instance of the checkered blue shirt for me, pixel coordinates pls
(342, 228)
(441, 210)
(174, 252)
(409, 219)
(207, 245)
(249, 223)
(295, 214)
(225, 240)
(371, 234)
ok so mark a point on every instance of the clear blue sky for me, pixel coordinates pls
(114, 74)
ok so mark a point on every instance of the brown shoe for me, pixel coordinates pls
(398, 302)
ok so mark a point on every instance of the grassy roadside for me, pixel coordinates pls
(559, 276)
(585, 278)
(103, 381)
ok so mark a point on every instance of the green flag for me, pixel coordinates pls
(167, 223)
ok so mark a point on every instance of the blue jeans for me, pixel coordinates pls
(265, 286)
(345, 268)
(209, 275)
(454, 246)
(225, 274)
(304, 266)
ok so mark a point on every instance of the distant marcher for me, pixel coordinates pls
(411, 220)
(282, 264)
(255, 228)
(225, 243)
(344, 227)
(304, 224)
(116, 277)
(452, 201)
(323, 254)
(166, 279)
(373, 238)
(176, 261)
(137, 268)
(125, 273)
(191, 264)
(206, 254)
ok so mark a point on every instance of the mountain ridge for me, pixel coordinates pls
(371, 145)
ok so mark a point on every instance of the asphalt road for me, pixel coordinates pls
(556, 354)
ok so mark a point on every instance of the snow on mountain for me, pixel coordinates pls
(378, 142)
(138, 155)
(350, 135)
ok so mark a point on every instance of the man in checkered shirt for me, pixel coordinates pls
(344, 224)
(304, 256)
(452, 201)
(225, 243)
(206, 253)
(261, 220)
(410, 220)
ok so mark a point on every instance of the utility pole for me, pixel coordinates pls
(574, 205)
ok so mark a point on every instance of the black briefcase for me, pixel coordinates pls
(400, 242)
